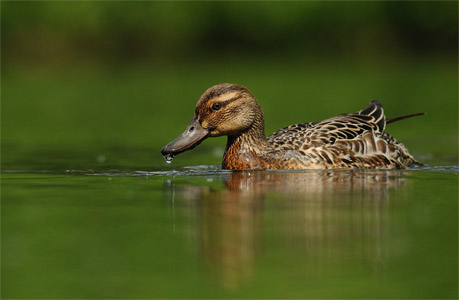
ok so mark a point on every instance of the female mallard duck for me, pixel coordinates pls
(355, 140)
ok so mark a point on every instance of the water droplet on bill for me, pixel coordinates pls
(168, 158)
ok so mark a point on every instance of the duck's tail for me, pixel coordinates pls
(391, 120)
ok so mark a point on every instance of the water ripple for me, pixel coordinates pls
(208, 170)
(201, 170)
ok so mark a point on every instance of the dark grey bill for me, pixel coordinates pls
(193, 135)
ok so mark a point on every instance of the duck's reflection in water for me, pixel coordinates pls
(326, 218)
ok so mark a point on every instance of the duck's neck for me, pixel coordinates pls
(244, 151)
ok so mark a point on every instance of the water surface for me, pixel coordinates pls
(200, 232)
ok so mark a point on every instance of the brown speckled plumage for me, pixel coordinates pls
(354, 140)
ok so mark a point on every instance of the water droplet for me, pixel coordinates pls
(168, 158)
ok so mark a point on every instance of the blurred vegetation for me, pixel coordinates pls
(108, 83)
(136, 31)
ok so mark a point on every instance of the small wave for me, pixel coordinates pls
(200, 170)
(454, 169)
(209, 170)
(206, 170)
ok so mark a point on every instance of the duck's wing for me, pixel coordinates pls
(327, 132)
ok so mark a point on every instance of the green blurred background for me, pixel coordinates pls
(104, 85)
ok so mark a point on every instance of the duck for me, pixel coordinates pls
(347, 141)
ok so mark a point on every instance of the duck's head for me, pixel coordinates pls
(224, 109)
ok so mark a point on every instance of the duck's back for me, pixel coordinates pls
(355, 140)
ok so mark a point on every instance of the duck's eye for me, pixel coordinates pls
(216, 106)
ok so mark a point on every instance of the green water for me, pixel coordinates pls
(203, 233)
(90, 209)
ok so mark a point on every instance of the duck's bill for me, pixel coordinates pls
(193, 135)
